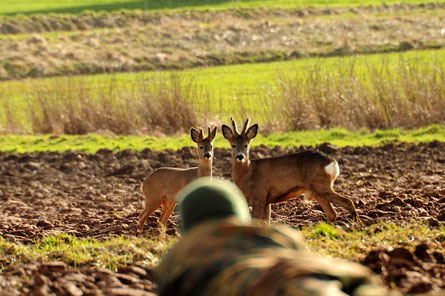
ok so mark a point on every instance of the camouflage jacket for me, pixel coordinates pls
(227, 258)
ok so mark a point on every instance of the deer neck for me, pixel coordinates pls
(205, 169)
(240, 172)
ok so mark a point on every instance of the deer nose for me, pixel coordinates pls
(240, 156)
(208, 155)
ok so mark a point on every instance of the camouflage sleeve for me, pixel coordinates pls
(232, 259)
(211, 247)
(299, 273)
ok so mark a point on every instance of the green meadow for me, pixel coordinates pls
(243, 80)
(78, 6)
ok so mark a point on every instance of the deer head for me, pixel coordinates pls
(205, 145)
(240, 142)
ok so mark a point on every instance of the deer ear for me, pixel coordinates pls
(214, 133)
(227, 132)
(194, 134)
(252, 131)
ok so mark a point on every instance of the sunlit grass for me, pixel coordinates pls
(228, 82)
(339, 137)
(324, 239)
(109, 253)
(329, 240)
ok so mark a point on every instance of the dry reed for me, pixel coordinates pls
(150, 105)
(408, 94)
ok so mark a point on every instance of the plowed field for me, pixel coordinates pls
(98, 195)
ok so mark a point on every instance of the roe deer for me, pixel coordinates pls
(161, 187)
(271, 180)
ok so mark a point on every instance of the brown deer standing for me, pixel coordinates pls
(271, 180)
(162, 186)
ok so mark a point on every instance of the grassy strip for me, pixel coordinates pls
(322, 238)
(328, 240)
(340, 137)
(110, 253)
(78, 6)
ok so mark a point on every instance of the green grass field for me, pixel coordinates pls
(323, 238)
(338, 137)
(78, 6)
(227, 83)
(240, 80)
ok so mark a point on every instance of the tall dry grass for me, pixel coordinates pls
(409, 94)
(157, 105)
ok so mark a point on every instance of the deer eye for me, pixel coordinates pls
(245, 146)
(201, 147)
(233, 146)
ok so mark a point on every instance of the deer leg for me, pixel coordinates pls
(342, 201)
(168, 209)
(331, 215)
(261, 211)
(145, 214)
(258, 210)
(266, 213)
(259, 203)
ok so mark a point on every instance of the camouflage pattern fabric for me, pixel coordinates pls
(226, 257)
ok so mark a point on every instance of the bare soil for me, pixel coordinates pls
(51, 45)
(98, 195)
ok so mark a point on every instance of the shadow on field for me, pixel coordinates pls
(141, 4)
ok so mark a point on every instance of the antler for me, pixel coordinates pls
(235, 130)
(201, 136)
(209, 133)
(246, 124)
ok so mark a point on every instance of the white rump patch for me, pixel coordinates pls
(332, 169)
(308, 196)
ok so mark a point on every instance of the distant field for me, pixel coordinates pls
(142, 40)
(77, 6)
(226, 82)
(339, 137)
(373, 91)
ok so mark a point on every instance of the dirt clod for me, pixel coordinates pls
(56, 278)
(411, 272)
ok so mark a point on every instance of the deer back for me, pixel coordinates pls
(166, 181)
(279, 176)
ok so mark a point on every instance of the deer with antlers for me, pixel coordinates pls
(162, 186)
(276, 179)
